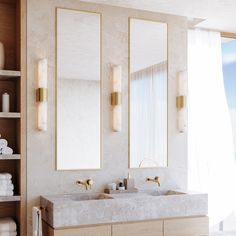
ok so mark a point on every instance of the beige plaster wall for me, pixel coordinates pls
(42, 178)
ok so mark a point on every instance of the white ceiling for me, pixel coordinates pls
(218, 14)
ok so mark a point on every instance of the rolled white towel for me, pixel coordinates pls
(5, 176)
(3, 142)
(2, 145)
(6, 151)
(6, 193)
(8, 233)
(6, 187)
(5, 182)
(7, 224)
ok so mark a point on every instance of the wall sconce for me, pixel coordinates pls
(181, 101)
(41, 95)
(116, 98)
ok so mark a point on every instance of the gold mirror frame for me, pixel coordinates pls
(56, 89)
(129, 76)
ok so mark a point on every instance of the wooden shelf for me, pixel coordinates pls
(9, 115)
(10, 157)
(12, 128)
(4, 74)
(10, 198)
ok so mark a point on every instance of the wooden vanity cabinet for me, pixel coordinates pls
(103, 230)
(149, 228)
(196, 226)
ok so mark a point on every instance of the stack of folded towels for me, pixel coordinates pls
(6, 185)
(4, 149)
(7, 227)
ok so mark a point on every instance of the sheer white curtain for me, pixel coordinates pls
(148, 116)
(210, 142)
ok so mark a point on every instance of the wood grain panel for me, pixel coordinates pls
(103, 230)
(21, 8)
(8, 1)
(8, 209)
(8, 33)
(198, 226)
(150, 228)
(90, 231)
(47, 230)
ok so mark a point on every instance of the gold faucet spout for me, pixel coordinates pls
(87, 183)
(156, 179)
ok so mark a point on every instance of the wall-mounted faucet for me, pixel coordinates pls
(87, 183)
(156, 179)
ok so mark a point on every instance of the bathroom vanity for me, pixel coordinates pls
(167, 213)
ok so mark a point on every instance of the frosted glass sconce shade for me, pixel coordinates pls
(41, 95)
(181, 101)
(116, 98)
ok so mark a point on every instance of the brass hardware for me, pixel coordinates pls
(41, 95)
(43, 208)
(115, 98)
(87, 183)
(180, 102)
(156, 179)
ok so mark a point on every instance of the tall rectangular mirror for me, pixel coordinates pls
(148, 100)
(78, 89)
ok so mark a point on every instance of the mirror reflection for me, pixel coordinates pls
(148, 94)
(78, 90)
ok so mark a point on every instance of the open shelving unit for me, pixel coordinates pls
(13, 123)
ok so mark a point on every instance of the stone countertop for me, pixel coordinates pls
(94, 208)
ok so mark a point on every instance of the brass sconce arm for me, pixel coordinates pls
(115, 98)
(41, 95)
(180, 102)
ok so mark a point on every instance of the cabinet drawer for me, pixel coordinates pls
(90, 231)
(151, 228)
(187, 227)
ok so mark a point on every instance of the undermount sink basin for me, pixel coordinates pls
(87, 197)
(82, 197)
(165, 193)
(143, 194)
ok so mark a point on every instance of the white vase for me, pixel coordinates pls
(2, 56)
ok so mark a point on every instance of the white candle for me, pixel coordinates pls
(2, 56)
(5, 102)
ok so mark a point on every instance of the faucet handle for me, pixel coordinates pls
(89, 182)
(158, 180)
(78, 182)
